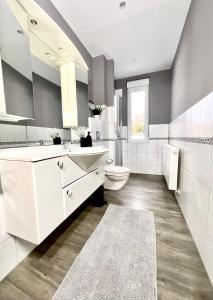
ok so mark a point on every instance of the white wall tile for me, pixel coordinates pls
(132, 158)
(23, 248)
(142, 169)
(152, 146)
(152, 158)
(196, 120)
(8, 258)
(7, 133)
(132, 147)
(31, 133)
(206, 119)
(151, 169)
(141, 158)
(195, 188)
(132, 168)
(162, 130)
(159, 170)
(20, 133)
(161, 144)
(142, 147)
(188, 123)
(160, 159)
(125, 157)
(153, 131)
(2, 220)
(210, 218)
(197, 160)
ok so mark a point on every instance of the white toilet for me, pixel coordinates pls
(115, 177)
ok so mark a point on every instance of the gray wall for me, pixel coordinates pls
(99, 74)
(83, 104)
(103, 81)
(192, 71)
(18, 92)
(47, 102)
(159, 96)
(110, 85)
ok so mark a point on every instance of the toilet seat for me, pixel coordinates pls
(116, 171)
(115, 177)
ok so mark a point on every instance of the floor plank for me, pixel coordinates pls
(181, 274)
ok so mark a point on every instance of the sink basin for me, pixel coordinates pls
(86, 157)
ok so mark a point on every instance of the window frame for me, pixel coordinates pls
(138, 85)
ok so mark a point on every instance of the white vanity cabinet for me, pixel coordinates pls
(75, 193)
(70, 171)
(40, 195)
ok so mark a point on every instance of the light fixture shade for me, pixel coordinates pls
(69, 98)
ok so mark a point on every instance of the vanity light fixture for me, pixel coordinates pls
(33, 22)
(122, 4)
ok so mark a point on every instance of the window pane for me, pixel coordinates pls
(137, 113)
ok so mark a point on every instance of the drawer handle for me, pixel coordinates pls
(60, 164)
(69, 193)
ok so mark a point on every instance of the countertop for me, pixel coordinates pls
(33, 154)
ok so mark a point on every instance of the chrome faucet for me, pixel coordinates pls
(41, 142)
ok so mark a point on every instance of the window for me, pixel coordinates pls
(138, 101)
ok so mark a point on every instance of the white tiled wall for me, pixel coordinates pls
(18, 133)
(146, 157)
(12, 251)
(195, 190)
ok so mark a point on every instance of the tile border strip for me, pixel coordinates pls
(50, 142)
(197, 140)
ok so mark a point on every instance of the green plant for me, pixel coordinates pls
(96, 109)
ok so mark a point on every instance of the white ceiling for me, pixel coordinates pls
(141, 38)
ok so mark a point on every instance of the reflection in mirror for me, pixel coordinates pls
(46, 66)
(46, 84)
(82, 96)
(15, 61)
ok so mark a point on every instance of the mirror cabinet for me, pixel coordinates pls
(46, 70)
(16, 91)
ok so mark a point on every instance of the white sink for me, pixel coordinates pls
(86, 157)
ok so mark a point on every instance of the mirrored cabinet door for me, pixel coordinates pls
(17, 96)
(82, 96)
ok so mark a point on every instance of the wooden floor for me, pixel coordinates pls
(180, 272)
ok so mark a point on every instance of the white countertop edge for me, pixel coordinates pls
(34, 157)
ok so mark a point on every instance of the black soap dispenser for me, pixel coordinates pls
(89, 140)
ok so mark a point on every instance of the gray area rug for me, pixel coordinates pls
(117, 262)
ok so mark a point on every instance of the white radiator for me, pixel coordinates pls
(170, 166)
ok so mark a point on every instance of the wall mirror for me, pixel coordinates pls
(52, 62)
(16, 99)
(49, 86)
(46, 84)
(82, 96)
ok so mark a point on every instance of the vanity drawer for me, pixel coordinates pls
(70, 171)
(76, 193)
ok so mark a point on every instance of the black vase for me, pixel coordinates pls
(57, 141)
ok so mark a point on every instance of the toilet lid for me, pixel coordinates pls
(116, 170)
